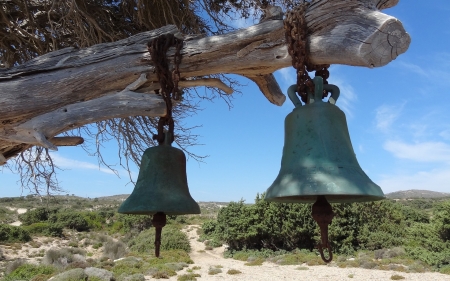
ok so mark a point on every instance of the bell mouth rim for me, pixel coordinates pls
(143, 212)
(331, 198)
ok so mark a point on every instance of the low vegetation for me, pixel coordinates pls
(367, 235)
(88, 239)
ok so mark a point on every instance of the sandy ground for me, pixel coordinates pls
(271, 271)
(19, 211)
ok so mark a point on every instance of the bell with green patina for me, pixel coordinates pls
(161, 186)
(318, 157)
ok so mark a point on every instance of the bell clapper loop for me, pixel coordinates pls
(318, 92)
(323, 214)
(293, 96)
(335, 92)
(158, 221)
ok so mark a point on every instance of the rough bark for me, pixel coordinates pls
(71, 87)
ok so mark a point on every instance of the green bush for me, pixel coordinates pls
(45, 228)
(11, 233)
(6, 215)
(171, 239)
(126, 223)
(63, 257)
(72, 220)
(114, 249)
(37, 215)
(28, 271)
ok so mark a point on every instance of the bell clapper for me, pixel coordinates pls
(323, 214)
(158, 221)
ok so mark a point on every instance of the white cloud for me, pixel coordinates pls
(386, 115)
(435, 180)
(66, 163)
(413, 68)
(420, 152)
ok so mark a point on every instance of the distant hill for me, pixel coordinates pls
(119, 197)
(416, 193)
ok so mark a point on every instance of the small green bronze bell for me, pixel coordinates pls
(318, 157)
(161, 188)
(162, 184)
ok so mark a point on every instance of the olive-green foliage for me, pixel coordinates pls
(28, 271)
(266, 225)
(114, 249)
(127, 223)
(6, 215)
(441, 218)
(424, 244)
(71, 219)
(171, 239)
(371, 226)
(40, 214)
(45, 228)
(76, 274)
(11, 233)
(233, 271)
(163, 267)
(13, 265)
(61, 258)
(188, 277)
(95, 220)
(384, 224)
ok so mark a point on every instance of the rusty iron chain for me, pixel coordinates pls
(296, 33)
(168, 80)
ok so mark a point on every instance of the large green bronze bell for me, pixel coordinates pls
(162, 184)
(318, 157)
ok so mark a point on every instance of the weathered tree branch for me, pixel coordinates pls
(71, 87)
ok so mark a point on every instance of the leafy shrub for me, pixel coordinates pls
(126, 223)
(214, 271)
(37, 215)
(45, 228)
(11, 233)
(188, 277)
(101, 274)
(61, 258)
(445, 269)
(441, 218)
(13, 265)
(114, 249)
(171, 239)
(135, 277)
(233, 271)
(28, 271)
(6, 215)
(75, 274)
(72, 220)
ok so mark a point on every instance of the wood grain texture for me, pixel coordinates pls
(69, 88)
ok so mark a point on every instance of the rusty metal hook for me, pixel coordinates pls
(323, 214)
(330, 253)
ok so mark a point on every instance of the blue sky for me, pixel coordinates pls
(398, 120)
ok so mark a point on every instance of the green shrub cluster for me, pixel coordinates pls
(373, 226)
(171, 239)
(56, 219)
(10, 233)
(45, 229)
(29, 271)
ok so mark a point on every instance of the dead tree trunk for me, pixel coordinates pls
(69, 88)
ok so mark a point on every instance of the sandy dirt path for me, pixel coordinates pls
(19, 211)
(271, 271)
